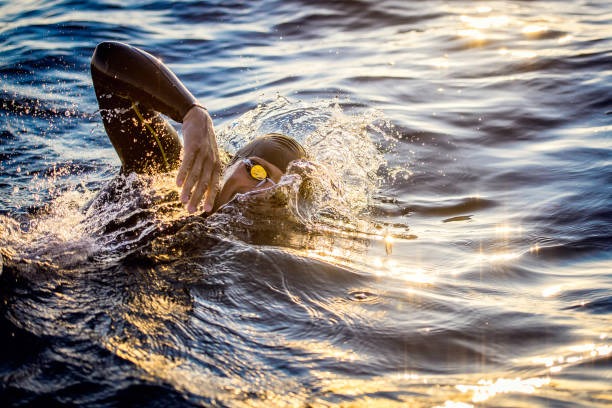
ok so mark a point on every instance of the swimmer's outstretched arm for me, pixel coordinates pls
(145, 79)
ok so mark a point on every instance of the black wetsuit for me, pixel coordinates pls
(133, 88)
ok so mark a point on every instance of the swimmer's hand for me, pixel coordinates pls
(200, 168)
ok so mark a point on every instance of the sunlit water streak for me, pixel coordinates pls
(454, 249)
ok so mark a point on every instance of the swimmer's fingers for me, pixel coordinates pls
(192, 175)
(213, 187)
(186, 165)
(198, 192)
(194, 178)
(201, 160)
(206, 183)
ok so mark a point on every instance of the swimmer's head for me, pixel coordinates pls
(276, 148)
(259, 164)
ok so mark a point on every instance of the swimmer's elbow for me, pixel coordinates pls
(108, 52)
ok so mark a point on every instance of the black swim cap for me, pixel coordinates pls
(278, 149)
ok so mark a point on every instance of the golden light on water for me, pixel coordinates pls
(455, 404)
(482, 24)
(574, 355)
(389, 240)
(379, 263)
(472, 33)
(471, 394)
(475, 27)
(517, 53)
(485, 22)
(440, 63)
(507, 230)
(504, 248)
(499, 256)
(392, 268)
(486, 389)
(552, 290)
(534, 30)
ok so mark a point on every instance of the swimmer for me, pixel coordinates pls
(134, 89)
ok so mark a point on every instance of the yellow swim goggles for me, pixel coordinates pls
(256, 171)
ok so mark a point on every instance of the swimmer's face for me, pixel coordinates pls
(246, 175)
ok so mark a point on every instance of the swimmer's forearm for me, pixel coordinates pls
(142, 78)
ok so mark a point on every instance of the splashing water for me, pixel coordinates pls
(341, 176)
(325, 196)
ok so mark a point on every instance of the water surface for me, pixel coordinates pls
(455, 250)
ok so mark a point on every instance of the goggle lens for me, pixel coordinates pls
(257, 171)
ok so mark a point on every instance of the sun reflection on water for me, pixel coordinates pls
(552, 291)
(485, 22)
(499, 257)
(572, 355)
(534, 30)
(392, 268)
(507, 229)
(455, 404)
(504, 248)
(517, 53)
(389, 240)
(486, 389)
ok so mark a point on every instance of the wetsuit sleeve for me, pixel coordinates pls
(142, 78)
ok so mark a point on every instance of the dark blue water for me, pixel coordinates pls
(455, 250)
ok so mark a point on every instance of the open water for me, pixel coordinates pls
(455, 249)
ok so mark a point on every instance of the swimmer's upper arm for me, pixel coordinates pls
(143, 78)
